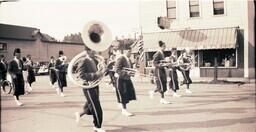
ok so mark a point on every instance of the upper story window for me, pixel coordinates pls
(194, 8)
(218, 7)
(171, 9)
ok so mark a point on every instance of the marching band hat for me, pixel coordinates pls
(61, 52)
(160, 43)
(17, 50)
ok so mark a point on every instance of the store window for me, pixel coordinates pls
(3, 46)
(171, 9)
(218, 7)
(194, 8)
(225, 58)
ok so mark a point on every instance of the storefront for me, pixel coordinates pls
(206, 45)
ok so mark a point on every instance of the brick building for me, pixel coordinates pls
(31, 41)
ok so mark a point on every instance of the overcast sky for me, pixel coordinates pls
(61, 17)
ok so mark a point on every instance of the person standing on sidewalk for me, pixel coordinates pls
(61, 69)
(88, 71)
(15, 68)
(125, 89)
(185, 58)
(160, 73)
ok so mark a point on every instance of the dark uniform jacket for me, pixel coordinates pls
(3, 70)
(160, 73)
(52, 72)
(159, 70)
(15, 71)
(61, 73)
(125, 89)
(31, 74)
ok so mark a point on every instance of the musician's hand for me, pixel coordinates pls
(14, 76)
(99, 73)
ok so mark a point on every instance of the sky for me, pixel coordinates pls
(62, 17)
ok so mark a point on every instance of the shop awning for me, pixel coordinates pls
(217, 38)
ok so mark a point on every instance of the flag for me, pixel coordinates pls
(140, 44)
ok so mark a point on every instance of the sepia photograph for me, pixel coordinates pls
(127, 66)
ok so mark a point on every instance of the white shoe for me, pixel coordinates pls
(58, 91)
(126, 113)
(77, 116)
(62, 95)
(114, 89)
(176, 95)
(19, 103)
(168, 92)
(151, 94)
(30, 89)
(98, 129)
(188, 91)
(120, 105)
(163, 101)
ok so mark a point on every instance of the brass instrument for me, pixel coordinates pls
(134, 72)
(96, 37)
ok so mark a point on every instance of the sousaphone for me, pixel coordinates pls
(97, 37)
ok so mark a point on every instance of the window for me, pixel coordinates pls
(225, 58)
(3, 46)
(218, 7)
(171, 9)
(194, 8)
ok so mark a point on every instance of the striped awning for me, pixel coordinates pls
(217, 38)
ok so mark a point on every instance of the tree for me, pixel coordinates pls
(73, 38)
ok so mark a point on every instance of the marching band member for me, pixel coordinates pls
(52, 71)
(111, 71)
(15, 68)
(174, 83)
(160, 73)
(125, 89)
(3, 72)
(30, 78)
(185, 69)
(61, 73)
(88, 71)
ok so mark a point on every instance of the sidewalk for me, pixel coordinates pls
(200, 79)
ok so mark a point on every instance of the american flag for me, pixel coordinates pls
(139, 44)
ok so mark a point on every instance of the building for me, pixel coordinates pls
(39, 45)
(222, 29)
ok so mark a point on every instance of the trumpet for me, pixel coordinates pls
(165, 63)
(96, 36)
(134, 72)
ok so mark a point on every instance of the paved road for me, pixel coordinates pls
(211, 108)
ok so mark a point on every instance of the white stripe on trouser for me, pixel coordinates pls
(160, 80)
(173, 84)
(94, 108)
(117, 88)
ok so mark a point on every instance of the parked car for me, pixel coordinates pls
(41, 68)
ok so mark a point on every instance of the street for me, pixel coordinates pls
(211, 108)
